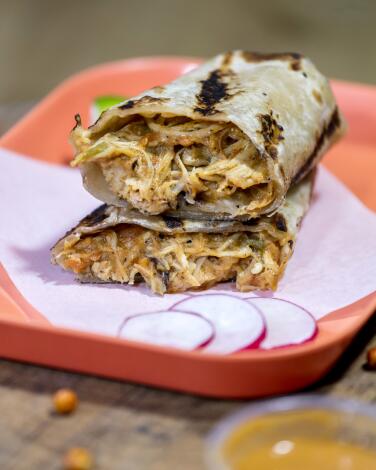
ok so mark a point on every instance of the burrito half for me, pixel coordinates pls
(114, 244)
(225, 141)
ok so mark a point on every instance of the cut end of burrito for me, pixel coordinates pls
(222, 142)
(111, 245)
(176, 263)
(159, 164)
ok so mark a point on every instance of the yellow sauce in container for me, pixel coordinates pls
(295, 439)
(298, 450)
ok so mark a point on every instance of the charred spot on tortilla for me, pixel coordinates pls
(334, 123)
(128, 105)
(272, 133)
(171, 222)
(261, 57)
(305, 75)
(97, 216)
(295, 65)
(144, 100)
(280, 222)
(326, 133)
(316, 94)
(93, 280)
(77, 118)
(227, 58)
(213, 90)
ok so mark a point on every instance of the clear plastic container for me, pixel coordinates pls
(301, 432)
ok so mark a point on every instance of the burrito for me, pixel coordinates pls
(225, 141)
(121, 245)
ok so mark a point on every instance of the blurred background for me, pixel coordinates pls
(43, 42)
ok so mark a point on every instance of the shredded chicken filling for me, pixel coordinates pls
(127, 253)
(151, 161)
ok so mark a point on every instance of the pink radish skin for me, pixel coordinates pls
(287, 324)
(237, 324)
(175, 329)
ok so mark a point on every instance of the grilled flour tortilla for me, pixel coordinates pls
(222, 142)
(117, 245)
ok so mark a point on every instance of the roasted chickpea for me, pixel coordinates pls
(78, 458)
(65, 401)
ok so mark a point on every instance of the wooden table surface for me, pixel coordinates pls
(128, 426)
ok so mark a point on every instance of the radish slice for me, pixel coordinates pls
(237, 324)
(182, 330)
(287, 324)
